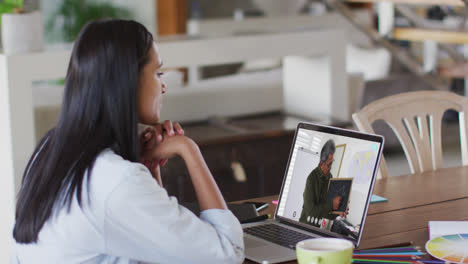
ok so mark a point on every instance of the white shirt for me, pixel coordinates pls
(131, 219)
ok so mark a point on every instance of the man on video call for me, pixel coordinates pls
(316, 206)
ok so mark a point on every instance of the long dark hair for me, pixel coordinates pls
(99, 111)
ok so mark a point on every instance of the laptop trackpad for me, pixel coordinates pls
(271, 253)
(254, 243)
(258, 250)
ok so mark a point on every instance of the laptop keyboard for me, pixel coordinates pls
(277, 234)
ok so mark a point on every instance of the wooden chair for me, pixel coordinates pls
(416, 119)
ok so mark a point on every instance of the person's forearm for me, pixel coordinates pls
(208, 194)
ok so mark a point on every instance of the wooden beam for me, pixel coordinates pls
(172, 17)
(416, 34)
(399, 54)
(172, 20)
(414, 2)
(420, 22)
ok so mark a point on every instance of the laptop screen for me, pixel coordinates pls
(329, 179)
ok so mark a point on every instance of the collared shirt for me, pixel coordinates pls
(316, 206)
(130, 219)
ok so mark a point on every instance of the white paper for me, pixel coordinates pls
(441, 228)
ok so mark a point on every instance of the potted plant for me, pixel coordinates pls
(21, 31)
(71, 15)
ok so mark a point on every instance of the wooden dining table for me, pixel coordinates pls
(413, 201)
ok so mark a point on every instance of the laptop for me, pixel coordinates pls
(326, 192)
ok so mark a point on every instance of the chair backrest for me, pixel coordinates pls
(416, 119)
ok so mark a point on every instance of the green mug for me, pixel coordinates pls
(324, 251)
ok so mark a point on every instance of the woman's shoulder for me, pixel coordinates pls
(110, 170)
(109, 162)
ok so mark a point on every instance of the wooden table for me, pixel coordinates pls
(413, 201)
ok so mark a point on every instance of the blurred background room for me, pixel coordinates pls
(240, 74)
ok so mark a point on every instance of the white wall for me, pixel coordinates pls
(7, 196)
(306, 161)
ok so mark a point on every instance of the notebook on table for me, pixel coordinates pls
(313, 178)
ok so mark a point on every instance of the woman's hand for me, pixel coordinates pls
(150, 138)
(170, 144)
(177, 145)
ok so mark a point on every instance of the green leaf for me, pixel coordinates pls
(6, 8)
(76, 14)
(14, 3)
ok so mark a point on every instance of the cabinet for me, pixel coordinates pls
(263, 160)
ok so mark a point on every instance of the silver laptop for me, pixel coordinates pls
(326, 192)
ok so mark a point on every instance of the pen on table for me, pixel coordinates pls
(414, 258)
(388, 249)
(404, 244)
(256, 219)
(371, 261)
(409, 261)
(402, 260)
(396, 253)
(402, 252)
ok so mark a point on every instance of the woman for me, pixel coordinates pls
(84, 196)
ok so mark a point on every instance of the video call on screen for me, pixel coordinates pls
(328, 181)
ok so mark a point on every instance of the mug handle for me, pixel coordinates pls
(315, 260)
